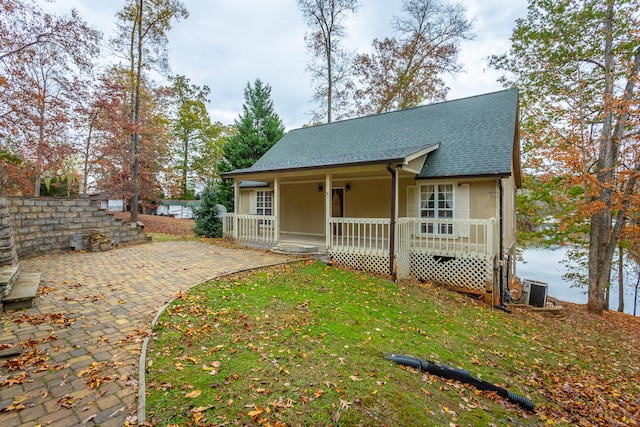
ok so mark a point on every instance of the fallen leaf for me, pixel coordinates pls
(16, 406)
(201, 409)
(344, 404)
(193, 394)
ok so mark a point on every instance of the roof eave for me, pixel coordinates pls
(483, 175)
(234, 174)
(404, 160)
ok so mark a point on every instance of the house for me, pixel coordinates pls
(177, 208)
(427, 192)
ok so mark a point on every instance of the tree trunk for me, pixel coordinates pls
(329, 80)
(599, 268)
(185, 165)
(620, 279)
(136, 117)
(600, 236)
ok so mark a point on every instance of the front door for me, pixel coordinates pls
(337, 208)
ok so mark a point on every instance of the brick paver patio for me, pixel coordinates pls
(88, 325)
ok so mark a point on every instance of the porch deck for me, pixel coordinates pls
(474, 238)
(455, 252)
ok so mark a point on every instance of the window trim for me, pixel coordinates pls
(262, 197)
(444, 230)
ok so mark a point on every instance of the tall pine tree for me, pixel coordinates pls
(258, 129)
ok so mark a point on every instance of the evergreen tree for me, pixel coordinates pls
(258, 129)
(208, 221)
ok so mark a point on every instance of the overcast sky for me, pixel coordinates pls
(226, 43)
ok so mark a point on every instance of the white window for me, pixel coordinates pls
(264, 203)
(436, 202)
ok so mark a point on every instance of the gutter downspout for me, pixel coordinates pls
(501, 245)
(392, 225)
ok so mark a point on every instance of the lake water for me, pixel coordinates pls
(545, 265)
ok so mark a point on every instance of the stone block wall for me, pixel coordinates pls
(49, 224)
(8, 254)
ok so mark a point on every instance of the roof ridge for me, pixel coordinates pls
(406, 109)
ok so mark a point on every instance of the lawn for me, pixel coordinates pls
(304, 344)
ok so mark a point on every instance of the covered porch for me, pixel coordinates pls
(370, 217)
(464, 259)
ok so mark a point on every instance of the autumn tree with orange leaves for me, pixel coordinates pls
(43, 59)
(108, 152)
(577, 64)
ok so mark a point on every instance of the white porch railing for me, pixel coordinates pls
(475, 238)
(228, 225)
(250, 228)
(359, 235)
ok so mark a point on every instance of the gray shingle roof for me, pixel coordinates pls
(476, 137)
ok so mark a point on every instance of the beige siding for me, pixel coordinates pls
(484, 199)
(403, 183)
(509, 212)
(301, 209)
(245, 203)
(368, 198)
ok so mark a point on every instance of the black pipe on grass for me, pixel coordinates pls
(448, 372)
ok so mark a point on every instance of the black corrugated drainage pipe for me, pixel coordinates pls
(392, 226)
(448, 372)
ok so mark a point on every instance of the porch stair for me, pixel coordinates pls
(17, 290)
(296, 249)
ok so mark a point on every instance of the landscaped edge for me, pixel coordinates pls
(142, 362)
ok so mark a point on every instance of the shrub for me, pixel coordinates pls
(208, 221)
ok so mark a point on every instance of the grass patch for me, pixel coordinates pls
(303, 344)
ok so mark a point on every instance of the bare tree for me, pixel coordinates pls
(330, 65)
(407, 70)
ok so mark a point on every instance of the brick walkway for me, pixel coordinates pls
(88, 326)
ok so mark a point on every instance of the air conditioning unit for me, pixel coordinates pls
(538, 293)
(534, 293)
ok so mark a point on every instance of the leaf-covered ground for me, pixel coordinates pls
(304, 344)
(161, 224)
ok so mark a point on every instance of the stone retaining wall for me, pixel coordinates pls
(49, 224)
(8, 254)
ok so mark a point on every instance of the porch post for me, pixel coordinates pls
(236, 207)
(392, 219)
(327, 209)
(276, 208)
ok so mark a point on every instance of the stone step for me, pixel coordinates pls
(295, 249)
(8, 276)
(23, 293)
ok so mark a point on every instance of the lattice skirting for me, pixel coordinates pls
(468, 273)
(403, 266)
(365, 262)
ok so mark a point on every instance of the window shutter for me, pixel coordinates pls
(253, 203)
(462, 208)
